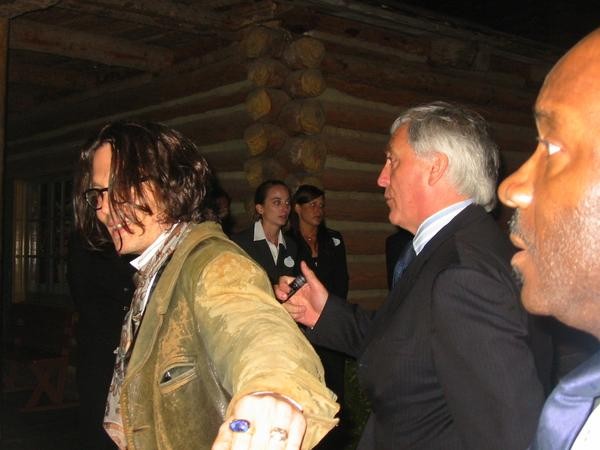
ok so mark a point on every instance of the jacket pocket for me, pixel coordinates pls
(177, 373)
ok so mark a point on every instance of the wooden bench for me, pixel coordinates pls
(37, 354)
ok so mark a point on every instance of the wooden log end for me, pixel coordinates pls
(265, 103)
(304, 53)
(264, 138)
(260, 169)
(303, 154)
(302, 116)
(262, 41)
(305, 83)
(267, 72)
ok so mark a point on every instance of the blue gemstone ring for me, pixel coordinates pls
(239, 426)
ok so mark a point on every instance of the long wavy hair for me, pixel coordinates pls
(144, 155)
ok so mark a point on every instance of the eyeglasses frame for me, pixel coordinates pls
(100, 192)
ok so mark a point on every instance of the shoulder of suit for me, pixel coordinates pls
(333, 232)
(243, 235)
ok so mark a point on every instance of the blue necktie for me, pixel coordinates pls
(568, 407)
(407, 255)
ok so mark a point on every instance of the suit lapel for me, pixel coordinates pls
(402, 289)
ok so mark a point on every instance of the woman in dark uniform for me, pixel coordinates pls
(264, 240)
(324, 251)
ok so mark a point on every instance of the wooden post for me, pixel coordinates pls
(4, 303)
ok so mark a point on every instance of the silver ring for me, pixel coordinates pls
(278, 434)
(239, 425)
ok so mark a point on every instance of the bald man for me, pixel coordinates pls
(556, 226)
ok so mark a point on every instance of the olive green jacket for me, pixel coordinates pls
(212, 333)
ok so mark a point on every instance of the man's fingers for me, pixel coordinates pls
(282, 288)
(294, 310)
(273, 422)
(224, 437)
(307, 272)
(296, 431)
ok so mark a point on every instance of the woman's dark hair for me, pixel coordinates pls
(260, 194)
(305, 193)
(144, 155)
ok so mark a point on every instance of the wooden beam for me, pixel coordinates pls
(38, 37)
(191, 18)
(54, 77)
(10, 9)
(160, 14)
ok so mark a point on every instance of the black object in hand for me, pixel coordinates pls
(296, 284)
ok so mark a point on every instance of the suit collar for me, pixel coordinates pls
(468, 215)
(433, 224)
(461, 220)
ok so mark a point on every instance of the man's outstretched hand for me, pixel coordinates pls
(306, 305)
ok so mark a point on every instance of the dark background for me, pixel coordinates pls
(560, 23)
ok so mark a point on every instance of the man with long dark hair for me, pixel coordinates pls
(206, 353)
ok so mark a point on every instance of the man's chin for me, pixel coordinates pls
(532, 300)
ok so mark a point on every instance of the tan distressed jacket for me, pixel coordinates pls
(212, 333)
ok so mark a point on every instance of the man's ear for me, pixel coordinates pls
(439, 166)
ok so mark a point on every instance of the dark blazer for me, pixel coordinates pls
(445, 362)
(330, 266)
(287, 263)
(101, 287)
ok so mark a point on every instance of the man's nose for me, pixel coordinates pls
(516, 191)
(383, 180)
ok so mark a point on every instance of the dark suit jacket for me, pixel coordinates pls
(332, 270)
(331, 266)
(260, 252)
(101, 287)
(445, 362)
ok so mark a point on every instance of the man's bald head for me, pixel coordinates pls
(557, 194)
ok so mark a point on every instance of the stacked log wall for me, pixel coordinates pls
(207, 105)
(372, 74)
(311, 107)
(285, 139)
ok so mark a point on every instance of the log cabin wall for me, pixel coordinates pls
(310, 98)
